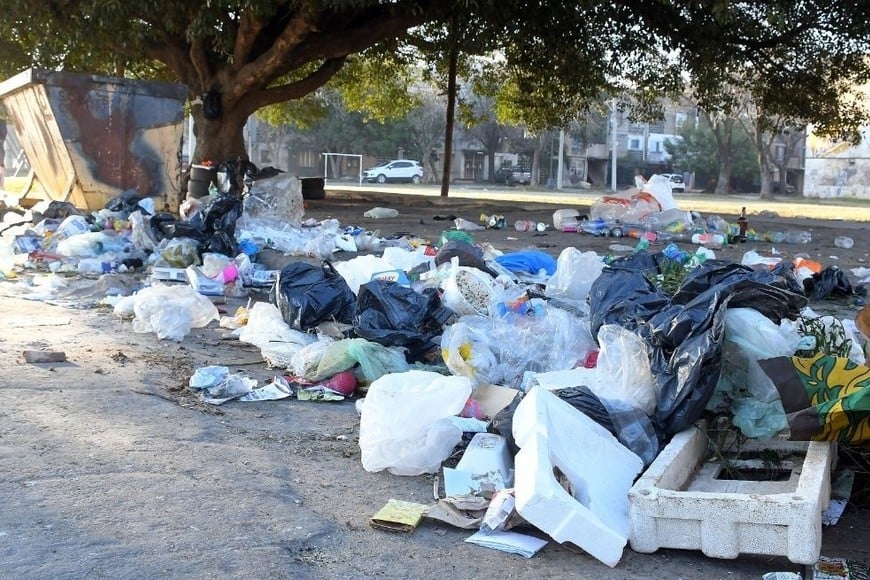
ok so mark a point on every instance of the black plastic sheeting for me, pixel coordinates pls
(308, 294)
(394, 315)
(831, 281)
(684, 332)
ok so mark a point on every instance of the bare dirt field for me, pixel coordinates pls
(111, 468)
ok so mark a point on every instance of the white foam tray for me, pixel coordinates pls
(679, 503)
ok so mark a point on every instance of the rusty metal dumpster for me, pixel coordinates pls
(90, 137)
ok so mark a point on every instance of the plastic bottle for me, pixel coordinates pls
(525, 225)
(709, 240)
(95, 266)
(673, 252)
(844, 242)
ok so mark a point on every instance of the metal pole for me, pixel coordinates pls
(561, 158)
(613, 144)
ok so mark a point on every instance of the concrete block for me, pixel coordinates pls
(572, 476)
(683, 502)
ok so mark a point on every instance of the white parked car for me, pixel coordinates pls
(406, 170)
(676, 180)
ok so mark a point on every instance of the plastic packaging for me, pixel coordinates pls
(97, 266)
(404, 424)
(623, 362)
(844, 242)
(381, 212)
(71, 226)
(171, 311)
(575, 273)
(798, 237)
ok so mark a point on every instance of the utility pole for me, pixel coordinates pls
(561, 158)
(613, 144)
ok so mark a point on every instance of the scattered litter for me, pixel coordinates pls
(41, 356)
(381, 212)
(510, 542)
(399, 516)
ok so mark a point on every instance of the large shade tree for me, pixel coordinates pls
(236, 56)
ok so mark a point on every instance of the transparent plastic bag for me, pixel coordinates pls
(467, 290)
(180, 252)
(171, 311)
(624, 369)
(404, 424)
(575, 273)
(755, 337)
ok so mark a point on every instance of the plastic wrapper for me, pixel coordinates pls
(179, 252)
(266, 326)
(91, 244)
(359, 270)
(531, 262)
(684, 332)
(216, 385)
(404, 425)
(307, 359)
(141, 235)
(758, 419)
(393, 315)
(750, 336)
(501, 350)
(623, 362)
(309, 294)
(171, 311)
(575, 273)
(275, 200)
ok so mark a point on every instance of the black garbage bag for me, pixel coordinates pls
(831, 281)
(166, 225)
(468, 255)
(127, 202)
(216, 221)
(308, 294)
(394, 315)
(60, 210)
(684, 332)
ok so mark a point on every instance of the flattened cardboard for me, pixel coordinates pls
(399, 516)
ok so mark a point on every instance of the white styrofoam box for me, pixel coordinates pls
(171, 274)
(553, 435)
(680, 503)
(486, 466)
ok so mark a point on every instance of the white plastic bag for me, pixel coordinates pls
(266, 326)
(171, 311)
(404, 425)
(575, 273)
(623, 369)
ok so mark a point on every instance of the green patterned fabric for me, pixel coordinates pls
(825, 398)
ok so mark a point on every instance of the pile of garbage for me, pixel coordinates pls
(518, 356)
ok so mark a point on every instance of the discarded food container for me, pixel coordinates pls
(798, 237)
(684, 502)
(381, 212)
(90, 137)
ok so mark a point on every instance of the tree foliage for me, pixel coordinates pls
(797, 58)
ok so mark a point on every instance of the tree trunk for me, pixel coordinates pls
(451, 108)
(219, 140)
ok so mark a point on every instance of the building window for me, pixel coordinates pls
(634, 144)
(680, 120)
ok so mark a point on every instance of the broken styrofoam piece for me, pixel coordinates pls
(555, 437)
(486, 467)
(677, 505)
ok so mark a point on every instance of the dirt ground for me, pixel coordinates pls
(112, 469)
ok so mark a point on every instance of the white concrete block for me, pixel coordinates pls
(554, 437)
(682, 502)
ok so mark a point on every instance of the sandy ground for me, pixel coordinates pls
(111, 469)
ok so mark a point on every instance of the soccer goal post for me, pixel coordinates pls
(345, 167)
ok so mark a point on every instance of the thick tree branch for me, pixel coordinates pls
(199, 60)
(249, 27)
(264, 68)
(173, 52)
(295, 90)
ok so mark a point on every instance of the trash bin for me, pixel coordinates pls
(89, 137)
(312, 187)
